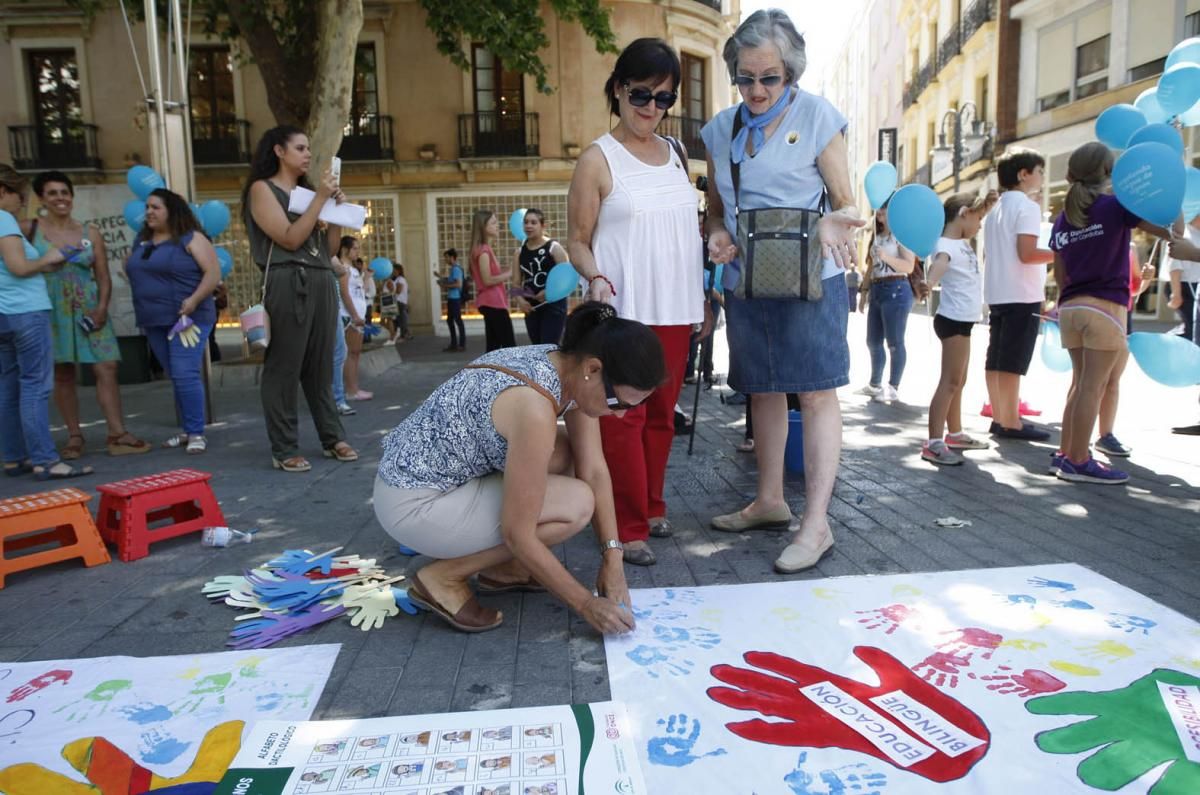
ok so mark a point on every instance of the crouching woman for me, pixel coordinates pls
(484, 480)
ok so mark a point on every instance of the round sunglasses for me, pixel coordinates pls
(640, 97)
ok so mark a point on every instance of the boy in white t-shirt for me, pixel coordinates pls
(1014, 287)
(1185, 283)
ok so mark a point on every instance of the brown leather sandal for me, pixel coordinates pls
(296, 463)
(341, 451)
(126, 444)
(471, 617)
(72, 450)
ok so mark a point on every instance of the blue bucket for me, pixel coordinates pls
(793, 453)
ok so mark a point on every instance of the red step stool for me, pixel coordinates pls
(128, 508)
(52, 516)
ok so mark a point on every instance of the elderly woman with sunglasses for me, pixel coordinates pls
(631, 215)
(790, 151)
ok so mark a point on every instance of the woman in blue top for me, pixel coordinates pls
(26, 358)
(791, 150)
(173, 271)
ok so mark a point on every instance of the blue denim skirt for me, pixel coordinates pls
(789, 346)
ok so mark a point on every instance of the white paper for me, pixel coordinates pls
(1183, 704)
(345, 215)
(876, 729)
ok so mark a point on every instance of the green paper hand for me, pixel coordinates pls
(220, 587)
(373, 607)
(1132, 730)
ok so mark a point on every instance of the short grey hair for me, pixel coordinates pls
(768, 26)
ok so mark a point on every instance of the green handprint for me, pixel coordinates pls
(1132, 730)
(100, 696)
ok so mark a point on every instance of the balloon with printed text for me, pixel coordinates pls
(516, 224)
(561, 281)
(381, 268)
(1179, 88)
(134, 212)
(1159, 133)
(1186, 51)
(143, 180)
(1149, 180)
(214, 217)
(880, 183)
(916, 217)
(1147, 103)
(1166, 358)
(226, 260)
(1117, 124)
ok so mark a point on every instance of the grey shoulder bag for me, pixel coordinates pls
(779, 247)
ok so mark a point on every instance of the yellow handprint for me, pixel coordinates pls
(1074, 668)
(1022, 644)
(1189, 662)
(1107, 650)
(903, 589)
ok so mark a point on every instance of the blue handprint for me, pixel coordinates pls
(1131, 624)
(856, 778)
(674, 748)
(1018, 599)
(1042, 582)
(656, 663)
(1075, 604)
(668, 599)
(677, 637)
(646, 613)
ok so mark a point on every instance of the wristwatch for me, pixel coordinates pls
(612, 543)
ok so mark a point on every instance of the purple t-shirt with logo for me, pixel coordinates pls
(1096, 257)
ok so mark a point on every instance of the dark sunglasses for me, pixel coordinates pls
(640, 97)
(768, 81)
(615, 402)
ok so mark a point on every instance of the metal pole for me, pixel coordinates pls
(957, 145)
(160, 110)
(181, 57)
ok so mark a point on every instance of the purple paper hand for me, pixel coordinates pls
(274, 627)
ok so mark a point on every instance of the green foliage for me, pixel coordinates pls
(512, 29)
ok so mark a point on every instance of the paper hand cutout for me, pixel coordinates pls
(220, 587)
(185, 329)
(300, 561)
(373, 606)
(805, 724)
(1132, 731)
(270, 628)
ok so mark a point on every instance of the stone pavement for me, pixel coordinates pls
(1144, 535)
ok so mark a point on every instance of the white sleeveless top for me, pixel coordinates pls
(647, 239)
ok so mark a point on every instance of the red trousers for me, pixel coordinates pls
(637, 445)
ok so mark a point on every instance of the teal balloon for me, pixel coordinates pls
(561, 281)
(214, 217)
(226, 260)
(1179, 88)
(1167, 358)
(1147, 103)
(1186, 51)
(1149, 181)
(916, 217)
(142, 180)
(880, 183)
(1191, 193)
(381, 268)
(1159, 133)
(516, 224)
(135, 214)
(1117, 124)
(1054, 355)
(1191, 116)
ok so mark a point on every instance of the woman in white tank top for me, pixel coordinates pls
(633, 238)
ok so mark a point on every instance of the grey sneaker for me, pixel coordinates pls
(345, 409)
(936, 452)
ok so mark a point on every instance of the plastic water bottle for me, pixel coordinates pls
(224, 536)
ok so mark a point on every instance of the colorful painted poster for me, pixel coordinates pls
(1013, 680)
(585, 748)
(140, 724)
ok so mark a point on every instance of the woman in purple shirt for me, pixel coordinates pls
(173, 271)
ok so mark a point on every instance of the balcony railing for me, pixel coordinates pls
(38, 149)
(715, 5)
(220, 141)
(497, 134)
(367, 136)
(949, 47)
(981, 11)
(921, 175)
(687, 131)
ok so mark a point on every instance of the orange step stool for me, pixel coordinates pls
(53, 516)
(128, 508)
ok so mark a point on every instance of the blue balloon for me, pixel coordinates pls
(916, 217)
(1147, 103)
(1168, 359)
(1179, 88)
(516, 224)
(1191, 194)
(1054, 355)
(1159, 133)
(1149, 180)
(214, 217)
(1191, 116)
(1117, 124)
(880, 183)
(226, 260)
(142, 180)
(381, 268)
(135, 214)
(561, 281)
(1186, 51)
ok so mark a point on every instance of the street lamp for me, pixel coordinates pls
(962, 117)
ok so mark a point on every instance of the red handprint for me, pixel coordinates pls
(1030, 682)
(891, 617)
(971, 639)
(942, 668)
(37, 683)
(806, 724)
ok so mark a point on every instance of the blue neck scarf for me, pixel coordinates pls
(752, 124)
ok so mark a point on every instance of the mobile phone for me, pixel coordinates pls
(335, 169)
(87, 324)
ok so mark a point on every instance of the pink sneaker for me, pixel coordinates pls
(1028, 410)
(986, 411)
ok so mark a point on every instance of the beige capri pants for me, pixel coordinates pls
(443, 524)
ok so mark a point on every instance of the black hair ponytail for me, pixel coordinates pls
(629, 351)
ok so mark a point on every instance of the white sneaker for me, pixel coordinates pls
(870, 391)
(887, 394)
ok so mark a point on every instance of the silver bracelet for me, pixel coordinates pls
(612, 543)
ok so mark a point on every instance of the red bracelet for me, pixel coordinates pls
(606, 280)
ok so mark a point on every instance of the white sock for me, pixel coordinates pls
(931, 441)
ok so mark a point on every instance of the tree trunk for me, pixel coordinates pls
(287, 77)
(339, 23)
